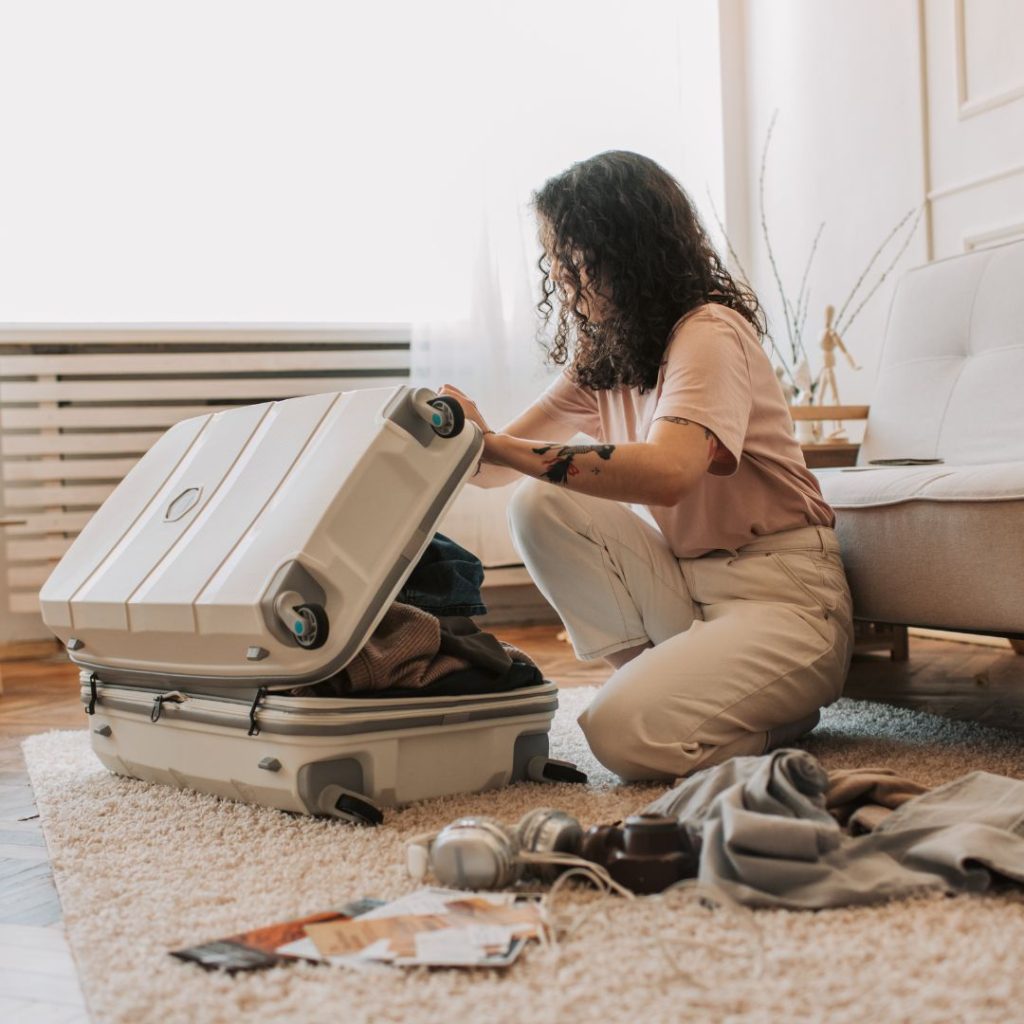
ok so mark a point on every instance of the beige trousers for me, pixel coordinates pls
(743, 641)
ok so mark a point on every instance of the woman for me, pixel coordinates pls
(729, 621)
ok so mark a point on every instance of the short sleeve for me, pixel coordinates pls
(707, 380)
(567, 402)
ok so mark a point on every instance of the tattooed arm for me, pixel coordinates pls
(658, 471)
(532, 422)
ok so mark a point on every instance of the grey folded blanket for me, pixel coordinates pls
(769, 840)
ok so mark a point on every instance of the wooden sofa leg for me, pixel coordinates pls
(1017, 645)
(900, 644)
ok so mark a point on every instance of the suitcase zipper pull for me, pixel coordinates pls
(174, 697)
(254, 729)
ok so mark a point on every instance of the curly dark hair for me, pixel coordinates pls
(624, 224)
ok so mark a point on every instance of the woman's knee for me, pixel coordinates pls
(623, 736)
(534, 509)
(618, 728)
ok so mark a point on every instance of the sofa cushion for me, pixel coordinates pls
(933, 545)
(873, 486)
(953, 359)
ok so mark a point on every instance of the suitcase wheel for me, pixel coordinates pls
(358, 812)
(447, 419)
(310, 627)
(546, 769)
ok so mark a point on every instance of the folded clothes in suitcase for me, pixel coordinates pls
(253, 551)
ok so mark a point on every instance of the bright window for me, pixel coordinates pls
(238, 160)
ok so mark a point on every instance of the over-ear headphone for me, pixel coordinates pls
(645, 853)
(481, 853)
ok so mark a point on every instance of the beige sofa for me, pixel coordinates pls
(943, 545)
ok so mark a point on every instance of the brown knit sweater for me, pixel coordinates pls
(412, 648)
(405, 650)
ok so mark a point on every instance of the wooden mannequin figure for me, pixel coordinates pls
(830, 341)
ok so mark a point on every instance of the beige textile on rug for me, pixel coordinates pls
(143, 869)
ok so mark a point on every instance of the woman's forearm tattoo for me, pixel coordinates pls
(560, 466)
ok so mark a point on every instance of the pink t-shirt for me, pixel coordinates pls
(715, 373)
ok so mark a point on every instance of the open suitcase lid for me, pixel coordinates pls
(259, 546)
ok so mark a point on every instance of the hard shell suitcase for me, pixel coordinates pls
(252, 552)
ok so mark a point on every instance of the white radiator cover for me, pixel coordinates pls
(80, 405)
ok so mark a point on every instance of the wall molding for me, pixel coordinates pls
(926, 139)
(993, 236)
(983, 179)
(967, 107)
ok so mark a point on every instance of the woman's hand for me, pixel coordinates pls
(468, 405)
(533, 422)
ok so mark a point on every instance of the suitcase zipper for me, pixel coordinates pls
(230, 708)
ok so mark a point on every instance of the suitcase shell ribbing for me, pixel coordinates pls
(334, 496)
(182, 603)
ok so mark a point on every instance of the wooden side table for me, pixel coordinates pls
(830, 453)
(826, 454)
(823, 454)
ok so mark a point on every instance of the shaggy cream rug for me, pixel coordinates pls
(143, 869)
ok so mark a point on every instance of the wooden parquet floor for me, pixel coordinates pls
(38, 696)
(967, 681)
(38, 977)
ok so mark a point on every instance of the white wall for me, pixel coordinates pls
(847, 150)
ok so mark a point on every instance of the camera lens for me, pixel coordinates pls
(650, 835)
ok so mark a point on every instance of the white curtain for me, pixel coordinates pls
(490, 353)
(553, 84)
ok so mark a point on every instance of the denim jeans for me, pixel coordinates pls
(446, 580)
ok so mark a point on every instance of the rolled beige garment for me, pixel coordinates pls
(850, 789)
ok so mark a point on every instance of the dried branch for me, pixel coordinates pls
(804, 294)
(803, 318)
(885, 273)
(767, 241)
(795, 316)
(746, 280)
(728, 242)
(871, 262)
